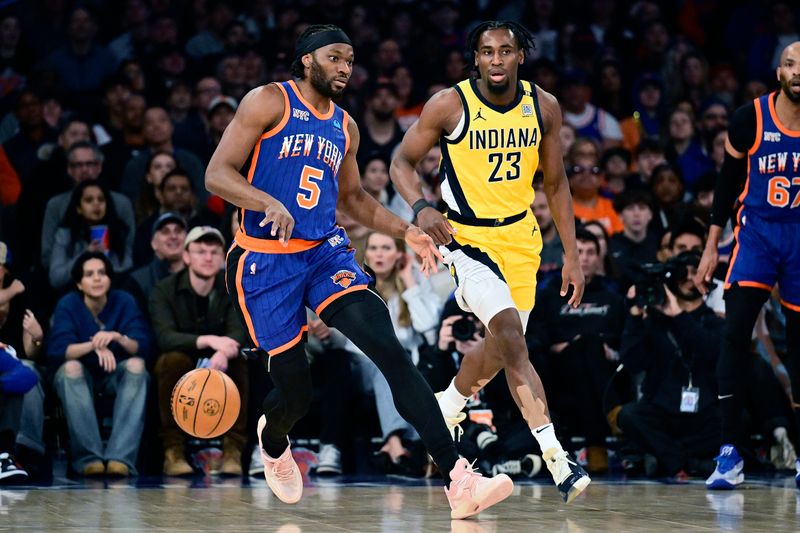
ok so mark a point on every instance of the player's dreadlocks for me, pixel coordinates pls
(296, 67)
(522, 36)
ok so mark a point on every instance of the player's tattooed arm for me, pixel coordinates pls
(260, 110)
(556, 187)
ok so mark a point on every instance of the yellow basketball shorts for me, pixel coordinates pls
(495, 268)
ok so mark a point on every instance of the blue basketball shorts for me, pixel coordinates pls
(272, 288)
(767, 252)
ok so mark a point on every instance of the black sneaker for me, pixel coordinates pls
(9, 469)
(569, 476)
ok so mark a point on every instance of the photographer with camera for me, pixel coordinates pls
(579, 349)
(674, 338)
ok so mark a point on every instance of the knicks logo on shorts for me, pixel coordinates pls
(344, 278)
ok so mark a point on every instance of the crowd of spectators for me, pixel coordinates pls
(112, 250)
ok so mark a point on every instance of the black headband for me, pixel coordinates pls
(318, 40)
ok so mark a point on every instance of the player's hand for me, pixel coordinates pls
(102, 339)
(705, 270)
(281, 220)
(423, 246)
(107, 360)
(571, 274)
(434, 224)
(218, 361)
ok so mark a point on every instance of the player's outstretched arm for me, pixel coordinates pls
(261, 109)
(367, 211)
(556, 187)
(440, 114)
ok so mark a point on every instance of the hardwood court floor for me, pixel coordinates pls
(198, 506)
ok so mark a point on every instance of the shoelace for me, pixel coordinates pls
(470, 473)
(454, 425)
(283, 469)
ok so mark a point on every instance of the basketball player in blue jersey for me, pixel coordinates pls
(495, 131)
(289, 254)
(762, 167)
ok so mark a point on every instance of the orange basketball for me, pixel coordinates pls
(205, 403)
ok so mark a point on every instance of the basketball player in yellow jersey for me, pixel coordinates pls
(494, 131)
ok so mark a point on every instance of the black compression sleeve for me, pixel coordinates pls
(741, 135)
(729, 185)
(742, 129)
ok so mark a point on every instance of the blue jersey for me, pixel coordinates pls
(297, 162)
(772, 190)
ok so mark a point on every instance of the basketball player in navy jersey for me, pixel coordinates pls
(288, 254)
(762, 166)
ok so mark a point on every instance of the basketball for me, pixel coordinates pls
(205, 403)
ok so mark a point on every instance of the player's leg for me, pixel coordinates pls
(468, 492)
(478, 367)
(742, 305)
(267, 293)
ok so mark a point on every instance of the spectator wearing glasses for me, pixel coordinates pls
(84, 162)
(585, 180)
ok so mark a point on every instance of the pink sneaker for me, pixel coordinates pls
(282, 474)
(470, 493)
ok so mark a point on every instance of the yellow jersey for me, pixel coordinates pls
(489, 159)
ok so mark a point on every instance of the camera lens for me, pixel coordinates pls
(463, 329)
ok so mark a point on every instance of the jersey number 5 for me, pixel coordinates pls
(308, 197)
(512, 158)
(778, 193)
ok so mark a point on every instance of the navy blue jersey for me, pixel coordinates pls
(772, 190)
(297, 162)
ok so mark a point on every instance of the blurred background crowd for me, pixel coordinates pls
(112, 250)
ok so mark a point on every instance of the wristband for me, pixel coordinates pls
(419, 205)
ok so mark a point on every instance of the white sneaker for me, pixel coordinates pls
(570, 477)
(282, 474)
(453, 423)
(329, 460)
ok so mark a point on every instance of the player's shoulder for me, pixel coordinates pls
(447, 99)
(548, 106)
(264, 99)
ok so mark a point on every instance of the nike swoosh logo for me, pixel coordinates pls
(724, 397)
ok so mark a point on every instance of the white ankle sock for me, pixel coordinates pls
(451, 401)
(546, 437)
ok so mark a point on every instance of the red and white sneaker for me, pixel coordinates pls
(282, 474)
(470, 493)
